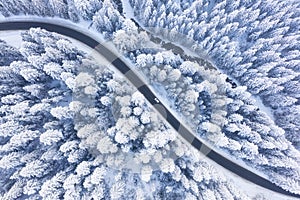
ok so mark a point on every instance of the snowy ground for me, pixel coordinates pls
(263, 108)
(11, 37)
(127, 9)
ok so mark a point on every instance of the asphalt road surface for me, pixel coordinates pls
(150, 96)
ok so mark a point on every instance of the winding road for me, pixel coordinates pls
(149, 95)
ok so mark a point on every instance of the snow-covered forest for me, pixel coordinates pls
(74, 128)
(255, 42)
(54, 145)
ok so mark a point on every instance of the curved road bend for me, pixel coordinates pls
(144, 89)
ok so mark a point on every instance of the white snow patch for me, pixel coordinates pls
(127, 9)
(12, 38)
(263, 108)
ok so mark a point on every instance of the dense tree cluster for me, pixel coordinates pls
(226, 116)
(73, 129)
(243, 41)
(253, 41)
